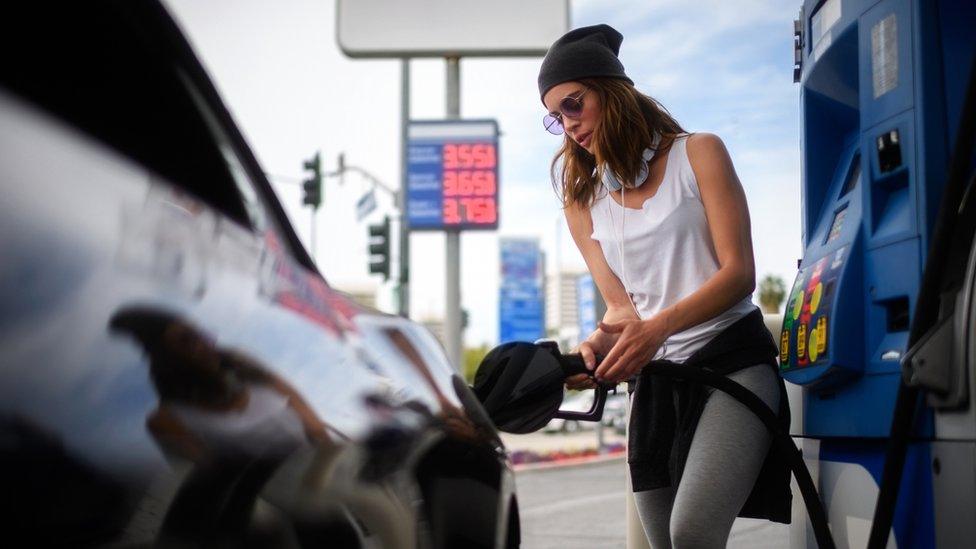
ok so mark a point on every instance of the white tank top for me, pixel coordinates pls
(669, 251)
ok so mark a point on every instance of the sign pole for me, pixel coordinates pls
(452, 317)
(403, 288)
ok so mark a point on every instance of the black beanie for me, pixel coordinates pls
(585, 52)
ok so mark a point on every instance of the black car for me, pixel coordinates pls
(173, 368)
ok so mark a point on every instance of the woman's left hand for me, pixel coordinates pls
(639, 341)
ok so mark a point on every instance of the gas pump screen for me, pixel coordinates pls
(452, 175)
(837, 224)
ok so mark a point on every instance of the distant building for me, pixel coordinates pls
(562, 308)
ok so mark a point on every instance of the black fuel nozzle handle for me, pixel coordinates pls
(573, 364)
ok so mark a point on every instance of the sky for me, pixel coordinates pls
(717, 66)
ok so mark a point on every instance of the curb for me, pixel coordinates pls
(569, 462)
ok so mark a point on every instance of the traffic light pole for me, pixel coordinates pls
(312, 187)
(403, 287)
(452, 317)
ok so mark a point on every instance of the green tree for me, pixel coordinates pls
(772, 291)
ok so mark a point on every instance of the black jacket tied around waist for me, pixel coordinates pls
(665, 414)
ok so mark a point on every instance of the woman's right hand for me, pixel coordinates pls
(598, 343)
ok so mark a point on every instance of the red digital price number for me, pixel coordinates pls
(470, 188)
(469, 183)
(465, 157)
(481, 211)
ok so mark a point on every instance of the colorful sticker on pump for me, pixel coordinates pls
(821, 335)
(814, 345)
(797, 305)
(816, 297)
(817, 346)
(801, 342)
(794, 305)
(784, 349)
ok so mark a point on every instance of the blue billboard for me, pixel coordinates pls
(521, 302)
(586, 298)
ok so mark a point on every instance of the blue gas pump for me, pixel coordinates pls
(883, 85)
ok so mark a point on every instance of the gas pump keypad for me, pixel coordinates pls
(808, 313)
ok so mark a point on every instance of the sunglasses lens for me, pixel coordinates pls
(571, 107)
(552, 124)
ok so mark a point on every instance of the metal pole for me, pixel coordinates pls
(312, 238)
(452, 317)
(601, 443)
(403, 289)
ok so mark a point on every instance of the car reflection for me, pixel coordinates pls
(222, 413)
(215, 402)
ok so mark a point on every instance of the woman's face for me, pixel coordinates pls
(579, 127)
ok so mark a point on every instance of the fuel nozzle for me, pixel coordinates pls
(521, 385)
(573, 364)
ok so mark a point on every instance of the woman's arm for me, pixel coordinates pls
(619, 307)
(581, 228)
(728, 221)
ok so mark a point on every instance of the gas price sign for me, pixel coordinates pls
(452, 175)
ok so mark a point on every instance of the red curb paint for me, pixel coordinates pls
(568, 462)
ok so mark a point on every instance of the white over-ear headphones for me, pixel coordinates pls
(612, 183)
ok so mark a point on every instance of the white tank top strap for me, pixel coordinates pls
(682, 166)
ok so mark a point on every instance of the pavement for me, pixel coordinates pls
(581, 503)
(580, 506)
(567, 442)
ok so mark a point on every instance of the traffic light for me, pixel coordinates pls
(379, 248)
(312, 184)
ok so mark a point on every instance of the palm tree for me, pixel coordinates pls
(772, 291)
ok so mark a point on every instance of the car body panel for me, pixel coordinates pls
(171, 374)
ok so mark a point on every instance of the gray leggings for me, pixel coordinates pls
(725, 457)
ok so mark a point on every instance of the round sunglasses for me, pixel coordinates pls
(571, 106)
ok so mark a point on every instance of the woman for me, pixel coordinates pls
(662, 223)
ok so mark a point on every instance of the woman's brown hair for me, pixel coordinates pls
(628, 124)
